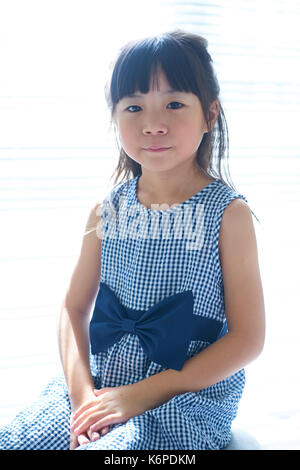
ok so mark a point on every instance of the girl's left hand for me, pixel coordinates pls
(111, 405)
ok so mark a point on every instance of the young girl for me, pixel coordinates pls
(178, 306)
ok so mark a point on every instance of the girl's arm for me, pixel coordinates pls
(73, 334)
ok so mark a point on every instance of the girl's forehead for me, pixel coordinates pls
(158, 78)
(158, 83)
(161, 92)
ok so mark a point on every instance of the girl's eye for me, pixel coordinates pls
(133, 106)
(176, 105)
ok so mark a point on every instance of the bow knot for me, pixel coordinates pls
(164, 330)
(128, 325)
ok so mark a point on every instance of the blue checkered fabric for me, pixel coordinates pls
(147, 255)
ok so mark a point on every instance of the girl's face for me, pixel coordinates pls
(161, 118)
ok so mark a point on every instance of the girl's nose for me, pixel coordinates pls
(153, 129)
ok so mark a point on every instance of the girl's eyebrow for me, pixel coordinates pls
(168, 92)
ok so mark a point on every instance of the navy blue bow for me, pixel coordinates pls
(164, 330)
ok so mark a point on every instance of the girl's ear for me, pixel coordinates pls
(213, 116)
(213, 113)
(114, 125)
(114, 118)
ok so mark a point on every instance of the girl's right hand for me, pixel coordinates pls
(86, 437)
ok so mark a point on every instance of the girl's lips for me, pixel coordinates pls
(160, 149)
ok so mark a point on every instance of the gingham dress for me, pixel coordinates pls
(153, 256)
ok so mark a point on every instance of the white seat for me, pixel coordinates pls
(241, 440)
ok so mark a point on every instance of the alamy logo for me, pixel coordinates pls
(132, 221)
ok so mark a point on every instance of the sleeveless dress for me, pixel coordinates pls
(159, 267)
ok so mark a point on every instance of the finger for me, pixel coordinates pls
(94, 436)
(76, 441)
(84, 407)
(83, 439)
(98, 392)
(82, 417)
(85, 419)
(91, 419)
(73, 442)
(105, 430)
(107, 421)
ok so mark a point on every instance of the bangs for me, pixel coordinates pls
(138, 66)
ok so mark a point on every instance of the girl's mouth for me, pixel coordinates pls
(159, 149)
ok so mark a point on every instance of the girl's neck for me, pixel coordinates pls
(162, 189)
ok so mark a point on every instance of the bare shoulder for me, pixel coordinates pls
(97, 205)
(93, 219)
(237, 226)
(236, 209)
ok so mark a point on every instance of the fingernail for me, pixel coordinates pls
(95, 436)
